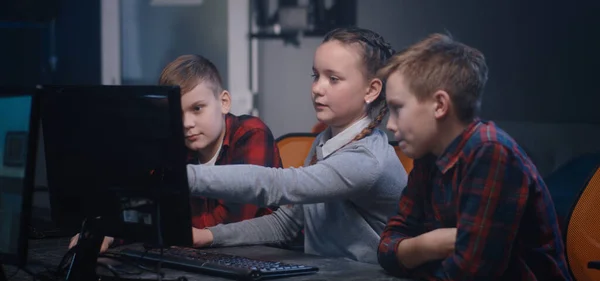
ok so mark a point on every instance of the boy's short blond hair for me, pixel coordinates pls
(441, 63)
(188, 71)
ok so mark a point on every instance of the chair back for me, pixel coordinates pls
(405, 160)
(294, 148)
(566, 183)
(583, 232)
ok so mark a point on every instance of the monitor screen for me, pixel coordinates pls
(107, 149)
(15, 174)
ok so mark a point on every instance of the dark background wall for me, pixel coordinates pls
(73, 39)
(542, 55)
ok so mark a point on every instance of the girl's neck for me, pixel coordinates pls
(335, 130)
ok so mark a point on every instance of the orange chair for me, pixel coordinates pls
(583, 232)
(405, 160)
(318, 128)
(294, 148)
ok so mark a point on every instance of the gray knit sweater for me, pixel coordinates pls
(342, 202)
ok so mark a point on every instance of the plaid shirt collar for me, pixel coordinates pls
(453, 152)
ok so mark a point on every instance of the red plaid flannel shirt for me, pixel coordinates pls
(486, 187)
(247, 140)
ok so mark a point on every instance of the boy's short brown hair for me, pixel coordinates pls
(188, 71)
(441, 63)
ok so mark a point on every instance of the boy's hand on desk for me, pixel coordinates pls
(202, 237)
(441, 241)
(103, 248)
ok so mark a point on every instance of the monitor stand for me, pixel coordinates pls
(83, 264)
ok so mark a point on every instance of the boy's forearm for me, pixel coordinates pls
(413, 252)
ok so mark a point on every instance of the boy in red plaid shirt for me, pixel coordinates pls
(215, 137)
(475, 207)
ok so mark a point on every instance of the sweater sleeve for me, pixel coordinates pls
(281, 226)
(346, 174)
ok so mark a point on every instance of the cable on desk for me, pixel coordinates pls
(111, 269)
(129, 261)
(140, 260)
(137, 262)
(62, 266)
(118, 277)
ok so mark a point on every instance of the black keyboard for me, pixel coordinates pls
(212, 263)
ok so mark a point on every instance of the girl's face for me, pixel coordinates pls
(340, 89)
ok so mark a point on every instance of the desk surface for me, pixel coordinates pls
(48, 253)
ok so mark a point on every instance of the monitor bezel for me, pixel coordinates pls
(55, 189)
(20, 257)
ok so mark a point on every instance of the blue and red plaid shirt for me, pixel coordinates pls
(488, 188)
(247, 140)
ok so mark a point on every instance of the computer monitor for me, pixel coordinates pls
(18, 142)
(116, 157)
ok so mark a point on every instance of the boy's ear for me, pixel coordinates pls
(225, 99)
(441, 104)
(375, 87)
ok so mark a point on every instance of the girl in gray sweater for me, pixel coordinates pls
(352, 178)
